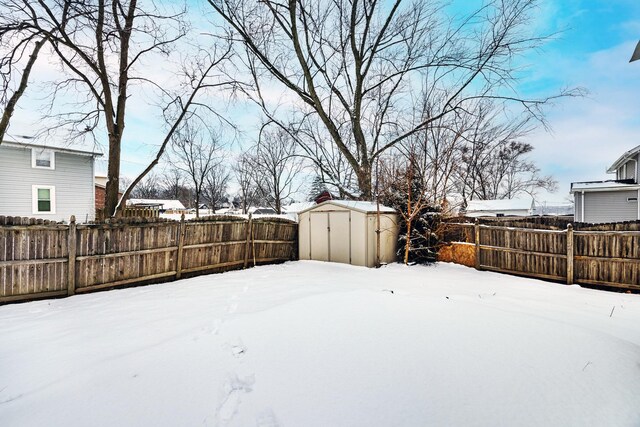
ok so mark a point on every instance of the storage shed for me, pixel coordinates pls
(345, 231)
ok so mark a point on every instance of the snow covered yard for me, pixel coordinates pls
(319, 344)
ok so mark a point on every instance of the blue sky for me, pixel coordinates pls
(591, 49)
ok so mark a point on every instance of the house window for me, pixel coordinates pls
(43, 159)
(44, 199)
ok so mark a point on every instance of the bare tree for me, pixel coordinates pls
(8, 63)
(244, 176)
(405, 187)
(493, 162)
(435, 152)
(351, 64)
(276, 167)
(125, 181)
(103, 47)
(148, 188)
(174, 186)
(171, 181)
(195, 152)
(216, 185)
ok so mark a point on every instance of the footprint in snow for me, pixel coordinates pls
(267, 419)
(238, 350)
(234, 388)
(216, 327)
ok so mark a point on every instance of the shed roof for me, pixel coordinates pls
(356, 205)
(517, 204)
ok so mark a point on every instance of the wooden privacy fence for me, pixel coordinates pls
(594, 257)
(44, 259)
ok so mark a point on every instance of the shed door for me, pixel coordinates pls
(319, 236)
(340, 237)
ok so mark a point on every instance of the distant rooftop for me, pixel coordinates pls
(517, 204)
(162, 203)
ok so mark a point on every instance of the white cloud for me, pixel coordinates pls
(589, 134)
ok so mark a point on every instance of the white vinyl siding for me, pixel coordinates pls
(610, 206)
(72, 179)
(578, 206)
(630, 170)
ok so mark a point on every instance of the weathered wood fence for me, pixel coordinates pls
(595, 257)
(44, 259)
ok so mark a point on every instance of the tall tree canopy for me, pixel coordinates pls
(354, 67)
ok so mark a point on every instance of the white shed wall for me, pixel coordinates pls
(338, 234)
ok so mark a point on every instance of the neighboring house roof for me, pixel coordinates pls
(164, 204)
(356, 205)
(544, 208)
(626, 156)
(611, 185)
(57, 146)
(264, 211)
(323, 197)
(297, 207)
(227, 210)
(518, 204)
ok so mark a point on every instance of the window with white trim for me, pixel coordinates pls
(43, 159)
(44, 199)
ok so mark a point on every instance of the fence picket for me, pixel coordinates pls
(594, 255)
(42, 259)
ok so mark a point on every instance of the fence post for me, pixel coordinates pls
(247, 245)
(181, 232)
(71, 262)
(476, 228)
(569, 254)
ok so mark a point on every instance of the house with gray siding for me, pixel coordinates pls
(613, 200)
(44, 181)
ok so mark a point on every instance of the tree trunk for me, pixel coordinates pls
(364, 182)
(409, 217)
(113, 174)
(13, 100)
(407, 244)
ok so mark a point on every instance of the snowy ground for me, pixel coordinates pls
(319, 344)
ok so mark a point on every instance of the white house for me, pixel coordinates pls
(613, 200)
(47, 181)
(523, 206)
